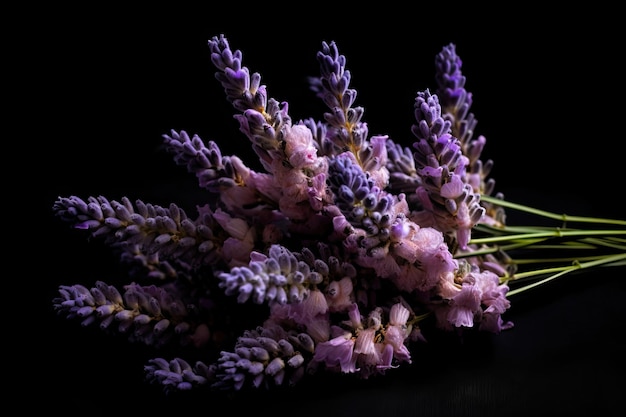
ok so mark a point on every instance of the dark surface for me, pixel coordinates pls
(108, 83)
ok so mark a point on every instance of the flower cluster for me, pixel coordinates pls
(344, 241)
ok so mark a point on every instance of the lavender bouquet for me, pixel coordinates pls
(331, 250)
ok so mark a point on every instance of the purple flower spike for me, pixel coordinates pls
(456, 101)
(456, 104)
(450, 203)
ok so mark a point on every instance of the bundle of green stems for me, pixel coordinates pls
(542, 253)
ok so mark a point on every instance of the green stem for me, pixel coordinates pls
(555, 260)
(559, 271)
(554, 233)
(494, 239)
(550, 215)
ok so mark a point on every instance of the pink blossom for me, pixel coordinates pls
(398, 315)
(355, 316)
(493, 293)
(397, 332)
(317, 191)
(319, 328)
(313, 305)
(464, 306)
(384, 266)
(364, 345)
(431, 259)
(339, 294)
(338, 351)
(395, 335)
(464, 225)
(453, 188)
(491, 321)
(265, 184)
(236, 251)
(376, 164)
(300, 149)
(386, 356)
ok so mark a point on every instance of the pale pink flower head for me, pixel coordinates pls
(395, 337)
(453, 188)
(364, 345)
(376, 163)
(492, 321)
(337, 352)
(493, 293)
(397, 332)
(300, 149)
(319, 328)
(265, 184)
(386, 356)
(317, 191)
(430, 260)
(464, 306)
(398, 315)
(447, 287)
(355, 316)
(495, 302)
(435, 258)
(236, 249)
(312, 306)
(339, 294)
(315, 303)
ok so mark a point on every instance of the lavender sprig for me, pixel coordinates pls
(227, 177)
(286, 151)
(450, 203)
(455, 100)
(456, 104)
(278, 277)
(162, 240)
(265, 357)
(346, 131)
(262, 117)
(177, 374)
(364, 204)
(403, 176)
(147, 314)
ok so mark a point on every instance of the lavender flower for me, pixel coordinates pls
(278, 277)
(163, 240)
(267, 356)
(177, 374)
(148, 314)
(345, 243)
(450, 203)
(456, 103)
(368, 348)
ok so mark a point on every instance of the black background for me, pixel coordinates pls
(98, 86)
